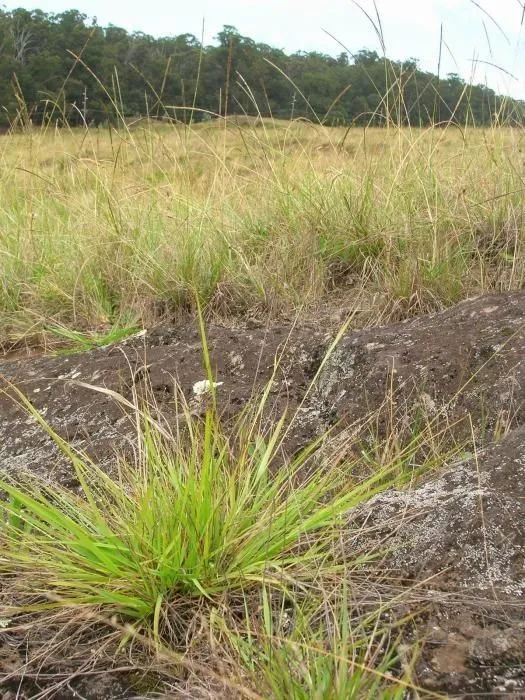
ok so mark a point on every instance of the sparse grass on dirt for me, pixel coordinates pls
(115, 228)
(211, 551)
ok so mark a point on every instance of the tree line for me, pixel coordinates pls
(67, 68)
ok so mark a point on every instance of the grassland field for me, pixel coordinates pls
(104, 230)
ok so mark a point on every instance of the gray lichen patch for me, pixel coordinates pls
(467, 526)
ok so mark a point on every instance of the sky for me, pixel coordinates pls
(483, 40)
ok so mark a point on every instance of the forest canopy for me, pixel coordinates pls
(66, 67)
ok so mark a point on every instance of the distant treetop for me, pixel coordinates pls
(65, 67)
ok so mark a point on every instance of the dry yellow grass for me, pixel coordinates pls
(104, 228)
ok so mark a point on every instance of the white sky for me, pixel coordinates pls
(411, 28)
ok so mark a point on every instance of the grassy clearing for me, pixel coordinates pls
(111, 229)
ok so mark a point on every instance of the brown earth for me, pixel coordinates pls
(459, 538)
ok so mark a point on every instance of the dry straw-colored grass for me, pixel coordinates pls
(103, 228)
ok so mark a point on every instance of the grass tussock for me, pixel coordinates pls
(191, 516)
(113, 228)
(212, 553)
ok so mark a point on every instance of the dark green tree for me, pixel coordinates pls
(66, 67)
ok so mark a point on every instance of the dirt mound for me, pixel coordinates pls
(161, 360)
(468, 359)
(461, 533)
(476, 347)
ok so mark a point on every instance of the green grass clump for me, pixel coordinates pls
(76, 341)
(201, 523)
(211, 537)
(193, 516)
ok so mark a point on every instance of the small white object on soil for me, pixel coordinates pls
(205, 386)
